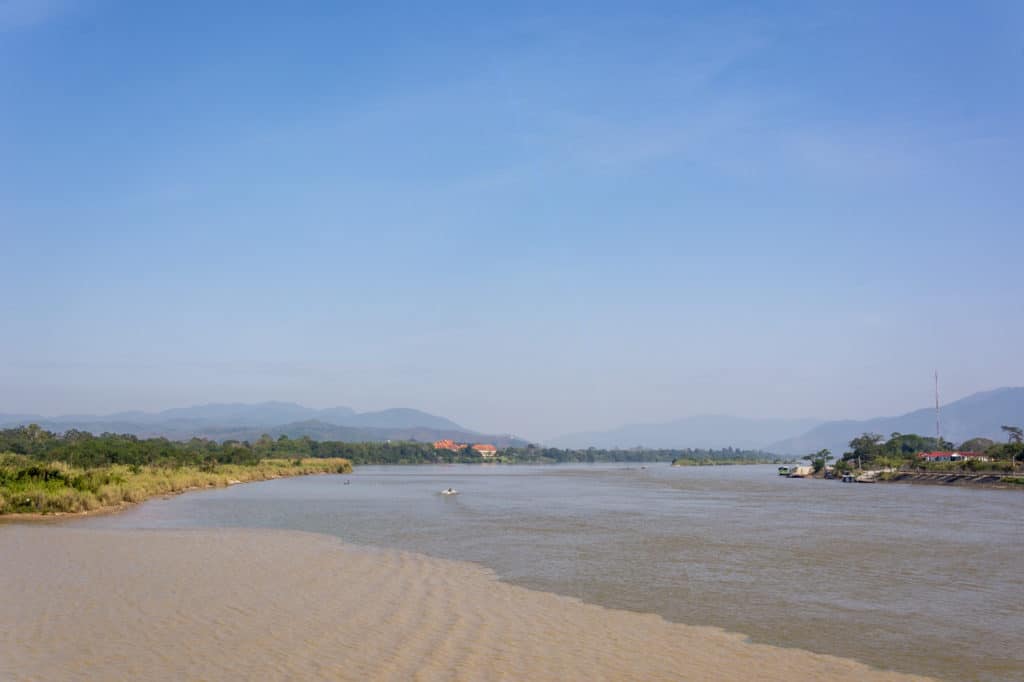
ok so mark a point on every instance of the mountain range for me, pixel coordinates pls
(702, 431)
(980, 414)
(977, 415)
(245, 421)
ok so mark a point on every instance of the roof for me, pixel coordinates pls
(937, 454)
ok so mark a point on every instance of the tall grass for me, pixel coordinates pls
(27, 486)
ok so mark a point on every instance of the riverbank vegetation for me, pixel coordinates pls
(44, 472)
(724, 456)
(680, 456)
(902, 454)
(83, 449)
(30, 486)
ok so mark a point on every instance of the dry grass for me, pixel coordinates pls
(27, 486)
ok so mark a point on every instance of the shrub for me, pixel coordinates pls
(29, 486)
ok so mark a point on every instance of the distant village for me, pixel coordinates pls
(485, 450)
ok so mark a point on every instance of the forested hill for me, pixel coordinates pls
(244, 421)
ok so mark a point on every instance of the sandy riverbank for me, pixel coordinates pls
(84, 604)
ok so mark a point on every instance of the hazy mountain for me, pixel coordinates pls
(268, 413)
(980, 414)
(318, 430)
(245, 421)
(335, 415)
(256, 414)
(707, 431)
(18, 419)
(399, 417)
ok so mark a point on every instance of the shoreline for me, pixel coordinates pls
(291, 604)
(55, 517)
(129, 495)
(986, 480)
(982, 481)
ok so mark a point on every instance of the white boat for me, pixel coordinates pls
(450, 491)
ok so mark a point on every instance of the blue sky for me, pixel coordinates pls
(525, 218)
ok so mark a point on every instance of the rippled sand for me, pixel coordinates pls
(82, 604)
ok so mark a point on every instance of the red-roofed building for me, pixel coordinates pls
(485, 449)
(953, 457)
(448, 444)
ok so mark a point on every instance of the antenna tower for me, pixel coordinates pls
(938, 428)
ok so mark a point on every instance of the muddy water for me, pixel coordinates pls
(240, 604)
(913, 578)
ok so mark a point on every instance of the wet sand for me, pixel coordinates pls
(85, 604)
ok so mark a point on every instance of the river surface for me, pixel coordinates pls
(915, 578)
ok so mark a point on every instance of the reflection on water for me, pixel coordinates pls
(915, 578)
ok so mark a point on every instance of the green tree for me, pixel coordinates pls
(888, 462)
(1014, 439)
(1014, 434)
(819, 459)
(864, 448)
(977, 445)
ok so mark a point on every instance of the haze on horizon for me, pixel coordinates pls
(527, 219)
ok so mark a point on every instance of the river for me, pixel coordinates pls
(914, 578)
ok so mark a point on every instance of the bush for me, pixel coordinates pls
(28, 486)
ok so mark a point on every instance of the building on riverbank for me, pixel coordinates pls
(941, 456)
(485, 449)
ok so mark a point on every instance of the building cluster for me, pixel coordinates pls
(953, 457)
(484, 449)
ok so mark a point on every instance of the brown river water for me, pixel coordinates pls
(917, 579)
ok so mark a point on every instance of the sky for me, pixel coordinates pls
(528, 217)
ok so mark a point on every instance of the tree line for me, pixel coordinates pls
(900, 449)
(84, 449)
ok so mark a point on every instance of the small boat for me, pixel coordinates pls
(450, 491)
(849, 478)
(785, 471)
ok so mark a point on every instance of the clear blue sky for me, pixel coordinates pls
(525, 218)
